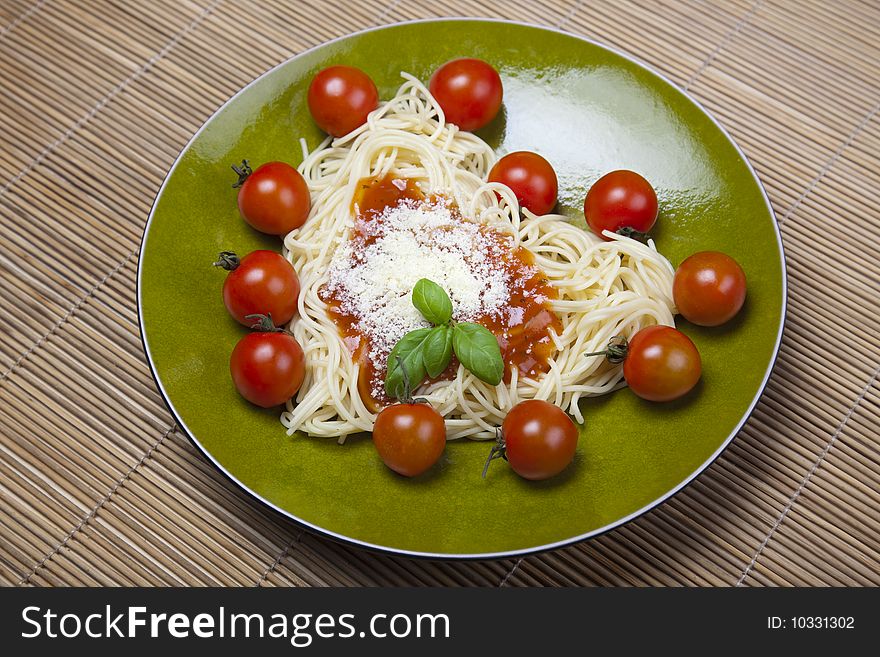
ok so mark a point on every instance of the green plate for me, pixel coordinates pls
(587, 109)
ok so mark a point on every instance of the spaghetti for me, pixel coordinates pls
(602, 288)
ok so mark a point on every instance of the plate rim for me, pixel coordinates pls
(447, 556)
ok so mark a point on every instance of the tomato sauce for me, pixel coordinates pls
(522, 327)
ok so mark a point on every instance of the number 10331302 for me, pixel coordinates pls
(811, 623)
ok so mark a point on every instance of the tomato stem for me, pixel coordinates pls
(499, 451)
(264, 323)
(616, 350)
(243, 170)
(228, 260)
(407, 397)
(632, 233)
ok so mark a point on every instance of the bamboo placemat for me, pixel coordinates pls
(97, 486)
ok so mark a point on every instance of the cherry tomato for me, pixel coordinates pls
(661, 364)
(539, 439)
(469, 91)
(621, 199)
(263, 283)
(709, 288)
(340, 98)
(274, 198)
(530, 177)
(267, 368)
(409, 437)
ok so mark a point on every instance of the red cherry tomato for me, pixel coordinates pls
(539, 439)
(340, 98)
(621, 199)
(469, 91)
(709, 288)
(263, 283)
(661, 364)
(274, 199)
(267, 368)
(530, 177)
(409, 437)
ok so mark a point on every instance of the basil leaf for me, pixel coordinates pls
(437, 350)
(407, 351)
(478, 351)
(432, 301)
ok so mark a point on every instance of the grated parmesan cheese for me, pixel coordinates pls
(373, 274)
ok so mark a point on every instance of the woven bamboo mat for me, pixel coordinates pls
(99, 96)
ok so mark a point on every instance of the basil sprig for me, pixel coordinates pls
(406, 365)
(432, 301)
(428, 351)
(478, 351)
(437, 350)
